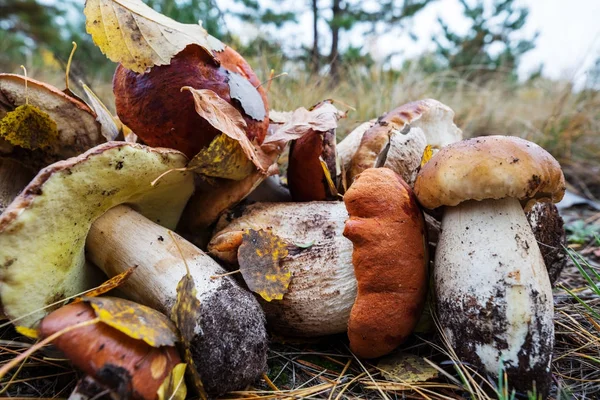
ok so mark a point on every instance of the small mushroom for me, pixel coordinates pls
(44, 231)
(397, 140)
(126, 366)
(493, 293)
(323, 289)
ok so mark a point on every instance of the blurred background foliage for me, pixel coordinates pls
(475, 71)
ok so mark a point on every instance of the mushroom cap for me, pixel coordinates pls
(78, 129)
(43, 231)
(390, 261)
(490, 167)
(109, 355)
(431, 116)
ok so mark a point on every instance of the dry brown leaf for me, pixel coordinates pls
(406, 368)
(137, 36)
(320, 119)
(226, 118)
(110, 126)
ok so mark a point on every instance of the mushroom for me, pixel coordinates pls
(127, 366)
(154, 107)
(322, 291)
(493, 293)
(397, 140)
(43, 233)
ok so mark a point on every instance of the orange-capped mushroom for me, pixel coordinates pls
(390, 261)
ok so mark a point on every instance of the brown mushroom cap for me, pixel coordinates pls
(78, 129)
(490, 167)
(390, 261)
(131, 367)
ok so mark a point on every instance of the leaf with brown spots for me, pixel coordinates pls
(134, 320)
(173, 388)
(29, 127)
(186, 311)
(259, 257)
(223, 158)
(227, 119)
(321, 118)
(133, 34)
(109, 285)
(406, 368)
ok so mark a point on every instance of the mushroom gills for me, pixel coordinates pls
(493, 292)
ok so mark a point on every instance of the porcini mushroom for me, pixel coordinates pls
(493, 293)
(322, 291)
(398, 138)
(43, 233)
(126, 366)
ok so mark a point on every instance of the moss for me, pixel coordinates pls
(29, 127)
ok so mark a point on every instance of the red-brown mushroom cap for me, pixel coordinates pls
(154, 107)
(131, 367)
(390, 261)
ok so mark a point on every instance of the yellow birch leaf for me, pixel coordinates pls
(406, 368)
(27, 332)
(260, 256)
(109, 285)
(29, 127)
(133, 34)
(134, 320)
(173, 387)
(427, 154)
(223, 158)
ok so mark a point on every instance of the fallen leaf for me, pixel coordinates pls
(226, 118)
(186, 311)
(322, 118)
(134, 320)
(259, 258)
(223, 158)
(133, 34)
(173, 387)
(406, 368)
(110, 126)
(27, 332)
(29, 127)
(427, 154)
(109, 285)
(242, 90)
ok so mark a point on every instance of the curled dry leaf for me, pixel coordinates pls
(111, 127)
(29, 127)
(133, 34)
(320, 119)
(406, 368)
(259, 257)
(227, 119)
(109, 285)
(134, 320)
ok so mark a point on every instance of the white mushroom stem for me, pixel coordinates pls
(230, 343)
(323, 287)
(494, 296)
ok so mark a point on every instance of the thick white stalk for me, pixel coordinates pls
(494, 296)
(230, 343)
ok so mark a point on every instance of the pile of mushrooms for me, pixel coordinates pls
(359, 219)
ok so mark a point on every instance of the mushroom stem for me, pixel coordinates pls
(492, 287)
(14, 176)
(230, 343)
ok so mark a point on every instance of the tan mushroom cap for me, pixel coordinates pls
(490, 167)
(78, 129)
(43, 231)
